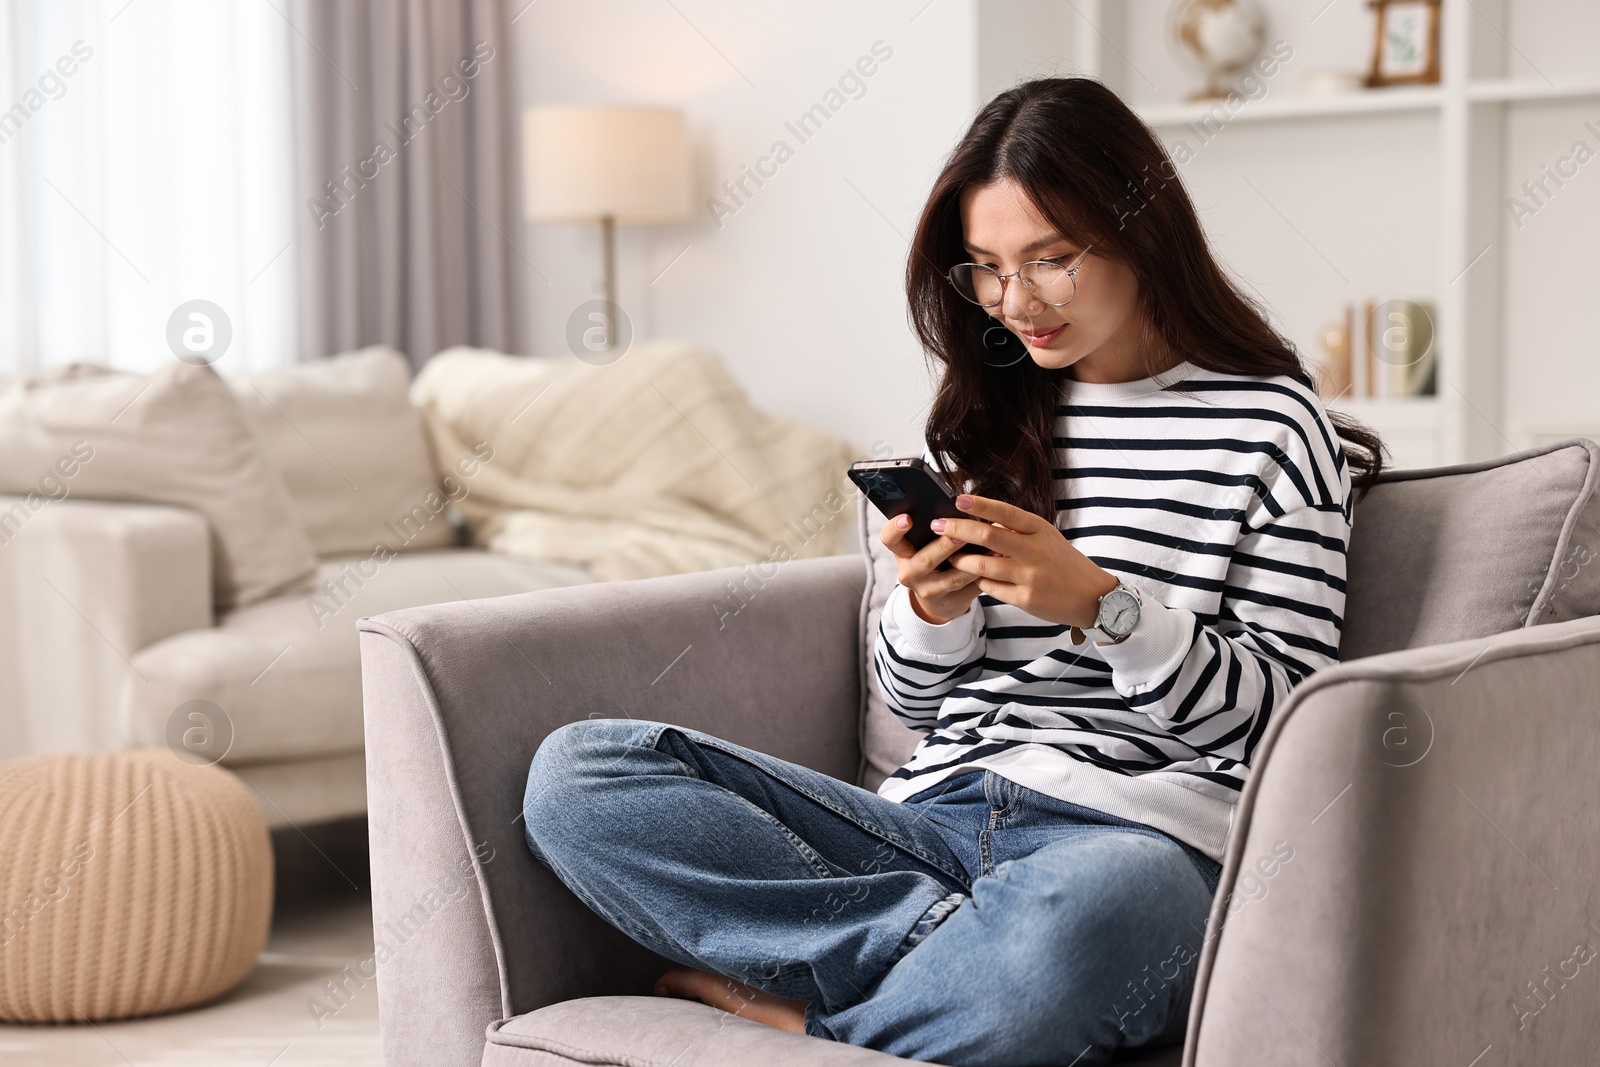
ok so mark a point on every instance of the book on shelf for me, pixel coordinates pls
(1392, 355)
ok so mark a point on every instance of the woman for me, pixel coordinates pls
(1166, 507)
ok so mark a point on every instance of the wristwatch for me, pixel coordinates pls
(1119, 615)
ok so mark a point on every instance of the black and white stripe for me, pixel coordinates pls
(1226, 500)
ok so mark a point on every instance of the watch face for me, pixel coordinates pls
(1119, 612)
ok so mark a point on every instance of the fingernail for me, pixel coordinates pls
(903, 521)
(957, 540)
(938, 525)
(963, 501)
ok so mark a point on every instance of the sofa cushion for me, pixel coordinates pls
(1436, 555)
(286, 673)
(1456, 553)
(173, 437)
(352, 451)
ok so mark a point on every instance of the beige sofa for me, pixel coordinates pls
(109, 621)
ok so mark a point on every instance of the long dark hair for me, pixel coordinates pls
(1096, 172)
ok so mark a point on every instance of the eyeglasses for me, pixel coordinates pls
(1050, 282)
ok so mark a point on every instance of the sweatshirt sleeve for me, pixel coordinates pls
(1215, 683)
(918, 663)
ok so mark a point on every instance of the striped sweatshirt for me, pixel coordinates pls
(1225, 500)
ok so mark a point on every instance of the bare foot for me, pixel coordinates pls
(734, 997)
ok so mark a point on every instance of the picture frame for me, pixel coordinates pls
(1405, 46)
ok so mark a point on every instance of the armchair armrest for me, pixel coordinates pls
(83, 585)
(1412, 875)
(458, 697)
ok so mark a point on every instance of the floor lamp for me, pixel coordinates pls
(585, 163)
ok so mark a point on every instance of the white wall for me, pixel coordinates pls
(1552, 368)
(800, 289)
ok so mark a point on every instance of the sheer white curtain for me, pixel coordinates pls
(145, 161)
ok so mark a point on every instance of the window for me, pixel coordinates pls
(145, 160)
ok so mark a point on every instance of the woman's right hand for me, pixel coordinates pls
(936, 596)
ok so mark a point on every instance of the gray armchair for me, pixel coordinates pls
(1411, 876)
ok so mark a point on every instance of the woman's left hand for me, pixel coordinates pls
(1036, 568)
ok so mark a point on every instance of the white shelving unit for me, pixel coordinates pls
(1446, 143)
(1428, 98)
(1518, 90)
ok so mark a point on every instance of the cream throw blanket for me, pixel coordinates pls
(655, 464)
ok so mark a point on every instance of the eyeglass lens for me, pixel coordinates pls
(1051, 282)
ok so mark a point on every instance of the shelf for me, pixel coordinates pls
(1514, 90)
(1278, 108)
(1363, 102)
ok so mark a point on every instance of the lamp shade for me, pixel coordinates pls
(584, 162)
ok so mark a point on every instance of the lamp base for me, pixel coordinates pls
(608, 252)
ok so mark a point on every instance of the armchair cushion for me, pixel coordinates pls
(886, 742)
(1455, 553)
(658, 1030)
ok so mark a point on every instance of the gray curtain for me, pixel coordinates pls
(407, 172)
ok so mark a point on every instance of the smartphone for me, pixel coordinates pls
(910, 486)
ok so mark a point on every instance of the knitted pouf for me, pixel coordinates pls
(132, 883)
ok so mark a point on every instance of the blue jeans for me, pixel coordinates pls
(978, 922)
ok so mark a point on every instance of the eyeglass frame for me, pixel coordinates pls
(1072, 272)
